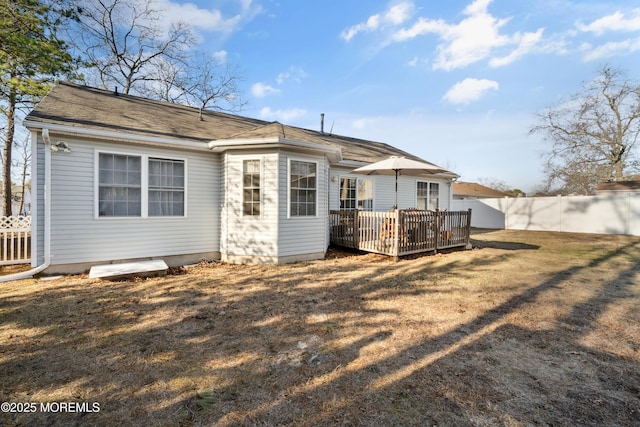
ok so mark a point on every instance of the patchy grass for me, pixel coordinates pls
(531, 328)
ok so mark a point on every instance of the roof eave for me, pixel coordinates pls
(114, 135)
(334, 154)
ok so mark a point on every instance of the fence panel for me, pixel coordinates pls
(601, 214)
(15, 240)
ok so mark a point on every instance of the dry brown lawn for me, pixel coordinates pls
(530, 328)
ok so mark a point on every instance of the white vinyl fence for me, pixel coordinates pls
(605, 214)
(15, 240)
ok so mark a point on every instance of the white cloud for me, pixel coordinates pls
(220, 56)
(394, 16)
(610, 49)
(282, 115)
(198, 18)
(469, 90)
(294, 73)
(526, 44)
(614, 22)
(418, 62)
(474, 38)
(363, 123)
(260, 90)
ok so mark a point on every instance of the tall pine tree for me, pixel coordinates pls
(32, 55)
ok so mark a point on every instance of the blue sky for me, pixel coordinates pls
(457, 83)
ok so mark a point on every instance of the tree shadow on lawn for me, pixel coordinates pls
(310, 344)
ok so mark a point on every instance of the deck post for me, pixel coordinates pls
(436, 230)
(468, 230)
(396, 235)
(356, 229)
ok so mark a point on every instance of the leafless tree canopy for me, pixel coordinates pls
(123, 39)
(129, 45)
(593, 135)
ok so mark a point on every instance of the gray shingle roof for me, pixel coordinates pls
(80, 106)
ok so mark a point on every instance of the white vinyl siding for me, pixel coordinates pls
(250, 235)
(79, 235)
(299, 235)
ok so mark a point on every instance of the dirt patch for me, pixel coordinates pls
(530, 328)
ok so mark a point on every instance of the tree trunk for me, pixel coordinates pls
(619, 170)
(7, 149)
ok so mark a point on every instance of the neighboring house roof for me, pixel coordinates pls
(618, 186)
(85, 107)
(475, 190)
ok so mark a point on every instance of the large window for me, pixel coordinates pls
(251, 188)
(139, 186)
(120, 185)
(348, 199)
(302, 188)
(428, 196)
(356, 193)
(166, 187)
(365, 194)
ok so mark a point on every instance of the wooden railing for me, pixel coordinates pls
(15, 240)
(399, 233)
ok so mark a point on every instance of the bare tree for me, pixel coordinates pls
(594, 134)
(212, 85)
(128, 46)
(124, 41)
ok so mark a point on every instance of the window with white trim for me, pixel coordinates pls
(365, 194)
(302, 188)
(348, 199)
(166, 187)
(356, 193)
(131, 185)
(251, 188)
(428, 196)
(119, 185)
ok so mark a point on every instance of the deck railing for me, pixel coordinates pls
(399, 233)
(15, 240)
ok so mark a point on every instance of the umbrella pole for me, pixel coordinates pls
(396, 206)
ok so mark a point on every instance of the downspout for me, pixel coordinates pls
(47, 215)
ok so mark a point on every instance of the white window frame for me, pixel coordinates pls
(355, 190)
(373, 192)
(358, 180)
(177, 189)
(305, 160)
(144, 184)
(261, 166)
(428, 201)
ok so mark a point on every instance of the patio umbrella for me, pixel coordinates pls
(399, 165)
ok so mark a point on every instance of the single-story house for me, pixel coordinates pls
(473, 190)
(120, 178)
(618, 188)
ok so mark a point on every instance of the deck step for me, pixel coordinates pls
(126, 268)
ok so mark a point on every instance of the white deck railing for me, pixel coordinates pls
(398, 233)
(15, 240)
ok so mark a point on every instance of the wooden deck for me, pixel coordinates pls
(397, 233)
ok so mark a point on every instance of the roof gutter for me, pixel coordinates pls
(119, 136)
